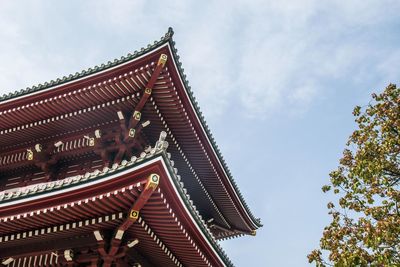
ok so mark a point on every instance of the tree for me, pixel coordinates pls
(365, 227)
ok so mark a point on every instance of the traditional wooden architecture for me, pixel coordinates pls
(115, 166)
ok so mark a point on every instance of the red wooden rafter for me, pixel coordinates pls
(147, 92)
(115, 251)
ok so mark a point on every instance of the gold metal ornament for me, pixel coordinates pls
(153, 181)
(91, 141)
(29, 155)
(134, 214)
(162, 60)
(132, 132)
(137, 115)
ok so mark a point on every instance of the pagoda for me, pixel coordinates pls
(115, 166)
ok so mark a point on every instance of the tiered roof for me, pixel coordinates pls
(55, 128)
(111, 191)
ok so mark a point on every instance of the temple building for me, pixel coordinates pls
(115, 166)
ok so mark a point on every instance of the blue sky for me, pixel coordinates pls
(276, 81)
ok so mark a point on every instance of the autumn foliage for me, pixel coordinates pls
(365, 227)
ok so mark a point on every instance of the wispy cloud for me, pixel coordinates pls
(246, 61)
(265, 56)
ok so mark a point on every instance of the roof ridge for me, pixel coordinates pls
(41, 86)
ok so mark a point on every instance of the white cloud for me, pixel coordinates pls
(290, 49)
(115, 16)
(265, 56)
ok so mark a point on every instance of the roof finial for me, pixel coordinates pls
(170, 33)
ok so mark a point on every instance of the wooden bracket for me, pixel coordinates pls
(152, 183)
(112, 254)
(147, 92)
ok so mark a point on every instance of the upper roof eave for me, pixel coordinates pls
(72, 77)
(167, 38)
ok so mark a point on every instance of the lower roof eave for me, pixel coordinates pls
(111, 179)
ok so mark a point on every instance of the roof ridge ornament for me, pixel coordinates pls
(169, 33)
(161, 144)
